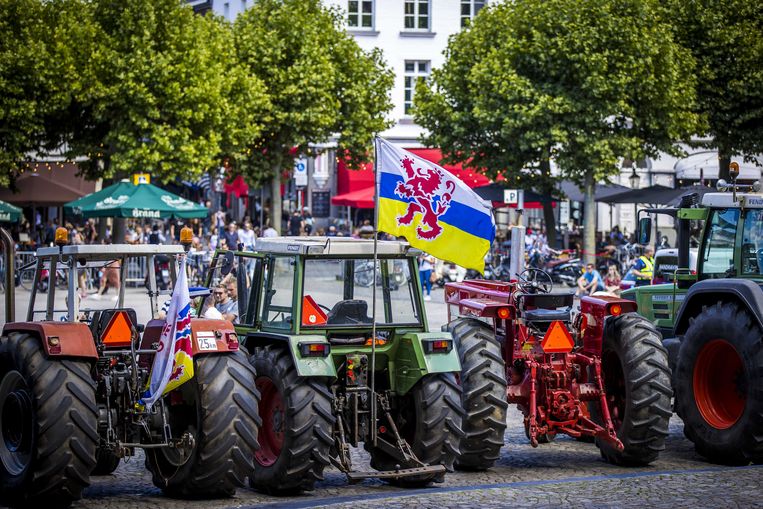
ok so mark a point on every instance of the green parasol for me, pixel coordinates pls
(9, 213)
(125, 199)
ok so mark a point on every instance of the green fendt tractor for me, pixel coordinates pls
(712, 322)
(304, 311)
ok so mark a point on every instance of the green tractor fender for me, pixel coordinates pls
(318, 365)
(423, 353)
(746, 293)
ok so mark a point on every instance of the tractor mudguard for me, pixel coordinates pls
(306, 366)
(207, 336)
(747, 293)
(59, 339)
(594, 311)
(413, 362)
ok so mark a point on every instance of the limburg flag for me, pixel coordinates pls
(173, 362)
(434, 210)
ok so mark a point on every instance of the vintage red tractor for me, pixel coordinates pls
(601, 375)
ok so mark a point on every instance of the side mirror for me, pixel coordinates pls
(644, 230)
(227, 263)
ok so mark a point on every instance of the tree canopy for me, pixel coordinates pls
(580, 82)
(725, 39)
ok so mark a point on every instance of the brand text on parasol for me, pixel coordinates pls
(177, 202)
(112, 202)
(145, 213)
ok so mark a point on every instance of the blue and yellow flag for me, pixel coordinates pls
(434, 210)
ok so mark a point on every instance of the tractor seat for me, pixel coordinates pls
(348, 312)
(547, 315)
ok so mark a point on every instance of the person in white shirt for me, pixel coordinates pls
(270, 231)
(247, 237)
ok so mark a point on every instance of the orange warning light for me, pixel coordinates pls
(557, 339)
(311, 313)
(615, 309)
(119, 330)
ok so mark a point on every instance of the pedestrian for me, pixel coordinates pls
(220, 220)
(224, 301)
(156, 237)
(295, 224)
(246, 236)
(426, 264)
(269, 231)
(231, 236)
(643, 269)
(332, 231)
(590, 281)
(612, 281)
(109, 279)
(308, 218)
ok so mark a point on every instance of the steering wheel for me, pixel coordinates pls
(326, 308)
(535, 281)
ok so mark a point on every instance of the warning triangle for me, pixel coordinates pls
(557, 339)
(311, 313)
(119, 330)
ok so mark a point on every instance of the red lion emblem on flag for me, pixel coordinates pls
(432, 191)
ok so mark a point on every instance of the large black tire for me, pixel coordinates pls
(220, 411)
(298, 422)
(483, 397)
(429, 419)
(106, 461)
(719, 384)
(48, 425)
(637, 383)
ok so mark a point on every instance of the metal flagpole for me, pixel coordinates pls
(373, 296)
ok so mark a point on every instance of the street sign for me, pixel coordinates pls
(564, 212)
(141, 178)
(511, 196)
(300, 172)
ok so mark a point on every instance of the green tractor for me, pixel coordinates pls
(712, 322)
(330, 377)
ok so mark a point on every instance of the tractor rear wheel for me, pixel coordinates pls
(218, 408)
(428, 418)
(637, 383)
(48, 425)
(718, 379)
(483, 382)
(297, 430)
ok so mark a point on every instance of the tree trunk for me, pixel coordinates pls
(589, 219)
(724, 159)
(275, 201)
(547, 190)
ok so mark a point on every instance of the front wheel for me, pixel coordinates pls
(48, 425)
(718, 385)
(637, 383)
(218, 408)
(428, 417)
(297, 425)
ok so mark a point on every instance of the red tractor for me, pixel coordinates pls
(601, 375)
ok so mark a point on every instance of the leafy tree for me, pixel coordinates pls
(320, 84)
(579, 82)
(39, 44)
(167, 94)
(725, 39)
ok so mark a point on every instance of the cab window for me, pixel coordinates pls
(279, 291)
(752, 242)
(718, 255)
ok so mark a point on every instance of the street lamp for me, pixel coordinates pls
(634, 179)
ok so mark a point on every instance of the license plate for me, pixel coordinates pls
(206, 341)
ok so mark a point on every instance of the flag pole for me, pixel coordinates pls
(373, 294)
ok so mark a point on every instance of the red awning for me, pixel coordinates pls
(360, 199)
(237, 187)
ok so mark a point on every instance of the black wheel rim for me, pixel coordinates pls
(16, 423)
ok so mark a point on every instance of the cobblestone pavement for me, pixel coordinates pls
(565, 473)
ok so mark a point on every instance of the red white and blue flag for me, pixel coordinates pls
(173, 362)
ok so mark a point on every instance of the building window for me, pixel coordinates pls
(360, 14)
(469, 9)
(414, 69)
(417, 15)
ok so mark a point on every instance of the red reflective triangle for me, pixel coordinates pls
(557, 339)
(311, 313)
(119, 330)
